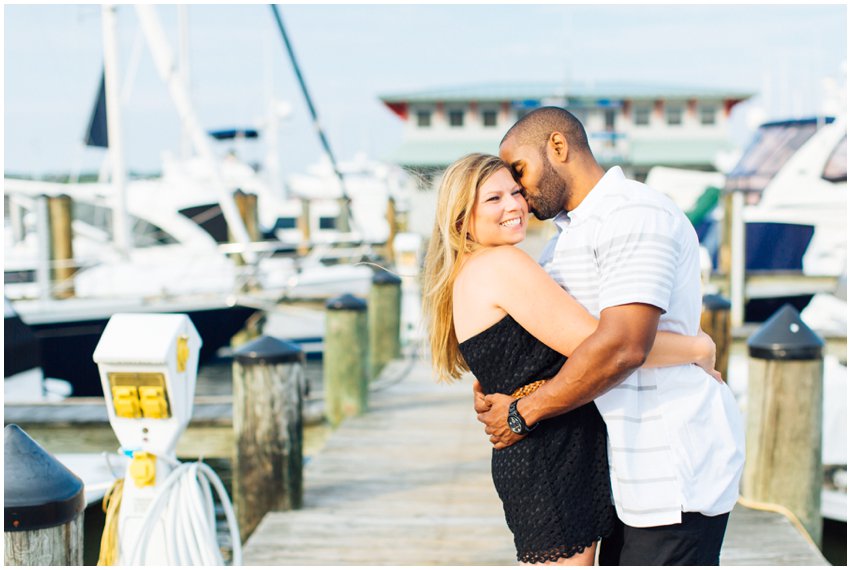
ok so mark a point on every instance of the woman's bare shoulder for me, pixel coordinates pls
(499, 258)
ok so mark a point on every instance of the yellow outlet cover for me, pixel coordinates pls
(153, 402)
(125, 400)
(143, 469)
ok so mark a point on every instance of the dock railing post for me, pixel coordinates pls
(384, 316)
(268, 394)
(43, 504)
(346, 360)
(715, 321)
(783, 462)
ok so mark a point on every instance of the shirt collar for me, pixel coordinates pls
(610, 180)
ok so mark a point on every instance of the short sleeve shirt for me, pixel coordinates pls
(676, 442)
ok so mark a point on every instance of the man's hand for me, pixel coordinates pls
(495, 419)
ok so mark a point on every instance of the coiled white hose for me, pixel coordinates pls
(184, 505)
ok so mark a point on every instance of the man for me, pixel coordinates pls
(630, 256)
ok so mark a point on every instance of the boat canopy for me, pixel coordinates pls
(228, 134)
(771, 147)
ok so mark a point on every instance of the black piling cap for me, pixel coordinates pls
(384, 277)
(268, 350)
(38, 491)
(785, 337)
(347, 302)
(716, 303)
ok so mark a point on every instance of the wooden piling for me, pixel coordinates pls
(246, 204)
(393, 226)
(715, 321)
(783, 446)
(268, 392)
(346, 359)
(304, 226)
(43, 503)
(61, 246)
(384, 317)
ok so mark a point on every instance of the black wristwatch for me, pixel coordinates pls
(516, 423)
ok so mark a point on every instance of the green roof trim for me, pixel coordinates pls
(665, 152)
(553, 91)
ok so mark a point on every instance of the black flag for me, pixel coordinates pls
(97, 135)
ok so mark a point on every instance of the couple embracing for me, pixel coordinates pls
(609, 424)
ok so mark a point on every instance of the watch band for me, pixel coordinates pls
(516, 423)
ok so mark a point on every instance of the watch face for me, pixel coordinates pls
(514, 424)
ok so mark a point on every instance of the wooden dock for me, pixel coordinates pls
(409, 483)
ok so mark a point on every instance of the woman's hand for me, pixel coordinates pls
(706, 355)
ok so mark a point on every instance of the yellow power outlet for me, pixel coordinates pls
(125, 399)
(143, 469)
(153, 402)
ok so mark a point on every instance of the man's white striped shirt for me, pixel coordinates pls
(676, 441)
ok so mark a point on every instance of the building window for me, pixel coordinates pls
(456, 118)
(674, 115)
(610, 119)
(641, 115)
(423, 118)
(489, 118)
(707, 115)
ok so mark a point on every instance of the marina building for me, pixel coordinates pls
(636, 126)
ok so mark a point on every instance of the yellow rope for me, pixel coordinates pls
(774, 508)
(109, 541)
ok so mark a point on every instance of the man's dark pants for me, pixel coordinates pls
(696, 541)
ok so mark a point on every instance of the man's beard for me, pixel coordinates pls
(553, 194)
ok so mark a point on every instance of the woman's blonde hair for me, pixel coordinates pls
(449, 240)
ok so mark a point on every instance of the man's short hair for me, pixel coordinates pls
(536, 127)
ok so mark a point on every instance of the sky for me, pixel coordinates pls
(351, 54)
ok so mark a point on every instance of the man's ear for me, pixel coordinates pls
(558, 147)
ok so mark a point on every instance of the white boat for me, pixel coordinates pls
(178, 262)
(794, 176)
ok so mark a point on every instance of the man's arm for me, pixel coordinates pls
(618, 347)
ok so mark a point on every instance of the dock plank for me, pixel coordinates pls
(408, 483)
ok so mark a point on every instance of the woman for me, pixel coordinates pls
(492, 310)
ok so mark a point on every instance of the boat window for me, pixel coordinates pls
(211, 219)
(327, 223)
(456, 118)
(146, 234)
(836, 169)
(96, 216)
(771, 147)
(707, 115)
(286, 223)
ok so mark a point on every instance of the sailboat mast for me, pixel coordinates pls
(120, 224)
(183, 65)
(345, 215)
(164, 62)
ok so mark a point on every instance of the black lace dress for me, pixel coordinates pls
(554, 484)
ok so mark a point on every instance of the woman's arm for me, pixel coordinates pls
(524, 290)
(672, 349)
